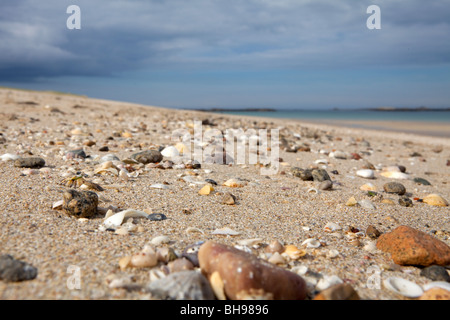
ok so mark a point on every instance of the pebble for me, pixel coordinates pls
(76, 154)
(206, 190)
(181, 264)
(158, 240)
(304, 174)
(351, 202)
(149, 156)
(235, 183)
(320, 175)
(367, 204)
(366, 173)
(81, 204)
(12, 270)
(183, 285)
(435, 273)
(405, 202)
(166, 254)
(326, 185)
(395, 175)
(238, 275)
(229, 199)
(157, 217)
(403, 287)
(32, 162)
(368, 187)
(372, 232)
(275, 246)
(422, 181)
(394, 187)
(409, 246)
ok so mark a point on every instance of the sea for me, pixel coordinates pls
(377, 115)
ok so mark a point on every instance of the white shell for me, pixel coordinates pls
(437, 284)
(338, 155)
(250, 242)
(170, 152)
(395, 175)
(160, 240)
(403, 287)
(116, 220)
(159, 186)
(191, 179)
(366, 173)
(226, 231)
(313, 190)
(332, 227)
(366, 204)
(311, 243)
(9, 157)
(328, 281)
(321, 161)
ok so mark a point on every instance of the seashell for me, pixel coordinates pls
(435, 200)
(366, 173)
(125, 263)
(403, 287)
(367, 204)
(116, 220)
(160, 240)
(392, 169)
(275, 246)
(313, 190)
(294, 253)
(109, 157)
(351, 202)
(226, 231)
(192, 230)
(395, 175)
(170, 152)
(277, 258)
(166, 254)
(332, 227)
(57, 205)
(250, 242)
(235, 183)
(9, 157)
(328, 281)
(182, 148)
(371, 247)
(368, 187)
(124, 175)
(159, 186)
(437, 284)
(311, 243)
(333, 253)
(194, 180)
(217, 285)
(338, 155)
(321, 161)
(300, 270)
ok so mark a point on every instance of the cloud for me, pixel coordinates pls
(123, 36)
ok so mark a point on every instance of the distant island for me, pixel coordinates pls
(238, 110)
(407, 109)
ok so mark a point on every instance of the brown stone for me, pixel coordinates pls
(81, 204)
(342, 291)
(238, 275)
(408, 246)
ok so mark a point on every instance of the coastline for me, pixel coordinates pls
(278, 207)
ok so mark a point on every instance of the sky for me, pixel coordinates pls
(309, 54)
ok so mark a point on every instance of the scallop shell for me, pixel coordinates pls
(117, 219)
(403, 287)
(311, 243)
(170, 152)
(435, 200)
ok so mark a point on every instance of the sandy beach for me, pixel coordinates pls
(268, 207)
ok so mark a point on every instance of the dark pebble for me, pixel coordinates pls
(81, 204)
(405, 202)
(304, 174)
(422, 181)
(320, 175)
(395, 187)
(326, 185)
(191, 253)
(76, 154)
(372, 232)
(149, 156)
(157, 217)
(104, 149)
(12, 270)
(29, 163)
(211, 181)
(435, 273)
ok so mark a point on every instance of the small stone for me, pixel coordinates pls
(243, 276)
(144, 260)
(422, 181)
(320, 175)
(405, 202)
(76, 154)
(81, 204)
(32, 162)
(436, 294)
(366, 173)
(183, 285)
(181, 264)
(304, 174)
(229, 199)
(12, 270)
(149, 156)
(435, 273)
(342, 291)
(368, 187)
(408, 246)
(326, 185)
(157, 217)
(275, 246)
(103, 149)
(394, 187)
(372, 232)
(367, 204)
(351, 202)
(206, 190)
(166, 254)
(435, 200)
(191, 253)
(388, 201)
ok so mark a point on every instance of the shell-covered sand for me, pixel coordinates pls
(270, 207)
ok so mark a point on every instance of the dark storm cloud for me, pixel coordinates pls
(120, 36)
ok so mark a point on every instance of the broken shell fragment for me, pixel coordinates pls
(435, 200)
(294, 253)
(311, 243)
(117, 219)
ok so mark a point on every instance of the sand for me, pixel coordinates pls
(270, 207)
